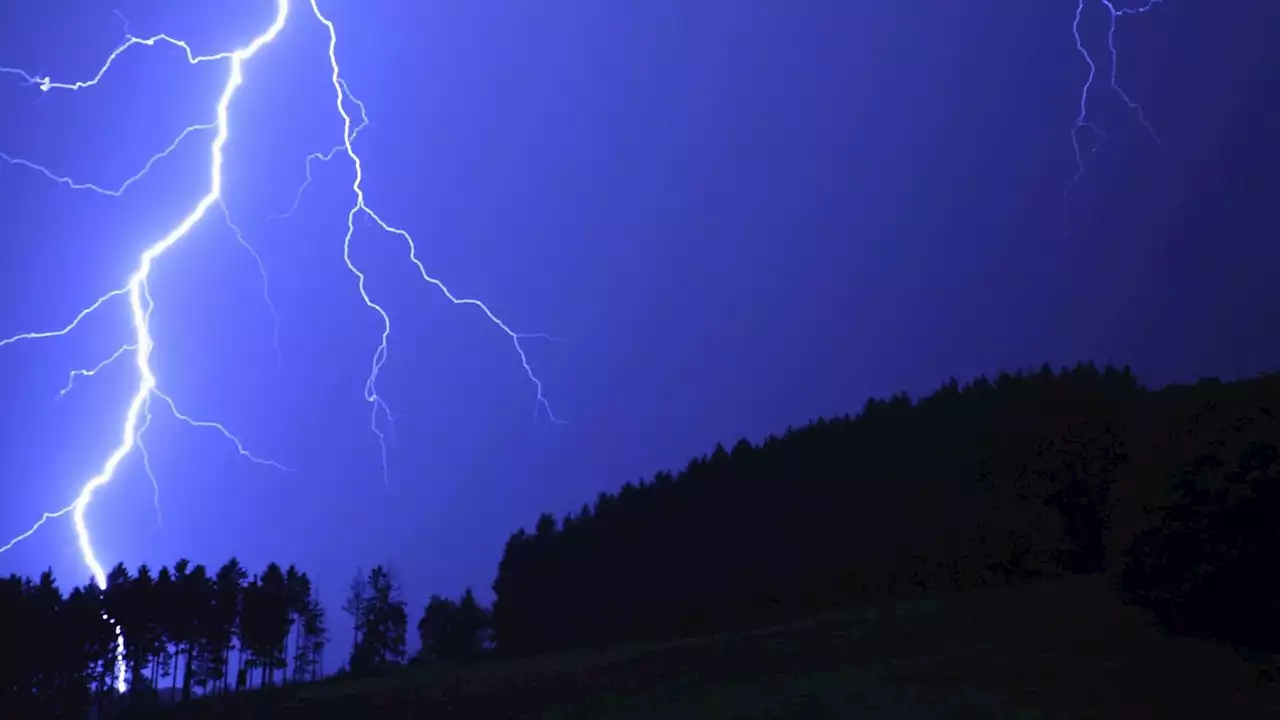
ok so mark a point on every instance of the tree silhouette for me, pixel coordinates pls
(181, 625)
(993, 481)
(193, 608)
(272, 608)
(353, 604)
(1003, 480)
(165, 612)
(381, 623)
(297, 593)
(1203, 570)
(224, 615)
(313, 640)
(453, 631)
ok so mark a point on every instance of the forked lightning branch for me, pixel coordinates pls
(134, 290)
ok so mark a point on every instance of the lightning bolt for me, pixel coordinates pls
(138, 416)
(326, 157)
(90, 372)
(262, 273)
(146, 462)
(62, 180)
(361, 206)
(1082, 119)
(137, 290)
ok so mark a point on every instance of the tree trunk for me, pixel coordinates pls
(186, 675)
(102, 694)
(296, 633)
(226, 668)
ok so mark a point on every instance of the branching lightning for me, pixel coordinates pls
(146, 462)
(326, 157)
(1082, 119)
(124, 185)
(90, 372)
(341, 92)
(262, 273)
(137, 290)
(138, 413)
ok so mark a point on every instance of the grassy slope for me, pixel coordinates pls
(1056, 649)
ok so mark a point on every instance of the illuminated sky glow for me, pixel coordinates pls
(740, 216)
(137, 290)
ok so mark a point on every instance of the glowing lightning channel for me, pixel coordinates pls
(44, 518)
(140, 302)
(90, 372)
(173, 407)
(63, 180)
(326, 157)
(138, 415)
(360, 206)
(117, 192)
(1082, 119)
(262, 273)
(146, 462)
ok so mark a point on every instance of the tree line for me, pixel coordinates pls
(197, 633)
(1002, 480)
(182, 624)
(1027, 475)
(452, 631)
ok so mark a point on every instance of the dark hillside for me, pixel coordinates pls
(1065, 648)
(1030, 475)
(967, 552)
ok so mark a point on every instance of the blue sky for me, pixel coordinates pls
(737, 215)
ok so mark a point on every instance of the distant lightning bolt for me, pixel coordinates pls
(361, 206)
(138, 416)
(1082, 119)
(262, 273)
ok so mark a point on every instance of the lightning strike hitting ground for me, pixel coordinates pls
(1082, 120)
(138, 417)
(140, 301)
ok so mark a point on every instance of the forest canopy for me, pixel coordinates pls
(994, 481)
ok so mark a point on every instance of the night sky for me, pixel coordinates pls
(738, 214)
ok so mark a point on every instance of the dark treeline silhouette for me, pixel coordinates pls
(378, 619)
(189, 633)
(184, 628)
(996, 481)
(453, 631)
(1207, 570)
(1172, 492)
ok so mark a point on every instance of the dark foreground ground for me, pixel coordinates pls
(1056, 649)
